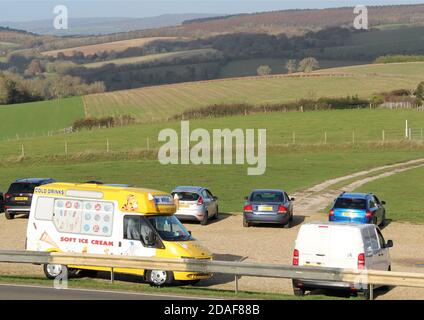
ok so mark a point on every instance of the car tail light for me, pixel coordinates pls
(368, 215)
(296, 257)
(200, 201)
(361, 261)
(8, 195)
(248, 208)
(331, 214)
(282, 209)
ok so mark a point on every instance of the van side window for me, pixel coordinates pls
(374, 241)
(132, 228)
(136, 228)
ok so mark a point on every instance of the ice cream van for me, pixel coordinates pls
(111, 220)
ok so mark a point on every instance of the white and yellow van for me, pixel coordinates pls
(111, 220)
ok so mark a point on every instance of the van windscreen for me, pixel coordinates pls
(348, 203)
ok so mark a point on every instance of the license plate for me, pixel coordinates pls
(265, 208)
(346, 214)
(312, 264)
(21, 198)
(184, 206)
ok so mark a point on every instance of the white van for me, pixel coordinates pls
(340, 245)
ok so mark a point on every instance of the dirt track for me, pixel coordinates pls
(230, 241)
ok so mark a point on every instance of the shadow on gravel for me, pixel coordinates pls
(297, 220)
(346, 294)
(221, 217)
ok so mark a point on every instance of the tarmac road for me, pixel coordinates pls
(28, 292)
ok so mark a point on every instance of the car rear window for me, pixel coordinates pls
(347, 203)
(22, 187)
(267, 197)
(186, 196)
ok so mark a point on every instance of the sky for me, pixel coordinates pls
(25, 10)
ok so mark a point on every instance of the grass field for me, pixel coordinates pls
(116, 46)
(160, 102)
(340, 126)
(36, 119)
(403, 194)
(163, 57)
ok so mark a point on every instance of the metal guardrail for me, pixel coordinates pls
(366, 277)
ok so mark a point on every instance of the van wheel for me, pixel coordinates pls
(204, 221)
(246, 223)
(9, 216)
(287, 225)
(158, 278)
(365, 294)
(298, 292)
(52, 271)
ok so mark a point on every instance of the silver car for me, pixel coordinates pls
(195, 204)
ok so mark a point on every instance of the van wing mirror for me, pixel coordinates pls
(389, 244)
(292, 199)
(383, 202)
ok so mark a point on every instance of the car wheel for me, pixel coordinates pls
(287, 225)
(215, 217)
(204, 221)
(9, 216)
(383, 220)
(246, 223)
(158, 278)
(291, 217)
(87, 273)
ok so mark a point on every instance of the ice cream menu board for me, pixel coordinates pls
(85, 217)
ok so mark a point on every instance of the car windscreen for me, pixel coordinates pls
(348, 203)
(186, 196)
(22, 187)
(269, 196)
(170, 228)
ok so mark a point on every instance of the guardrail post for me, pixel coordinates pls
(236, 283)
(112, 276)
(371, 292)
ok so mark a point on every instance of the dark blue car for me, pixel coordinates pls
(358, 208)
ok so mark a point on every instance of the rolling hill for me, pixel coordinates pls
(162, 102)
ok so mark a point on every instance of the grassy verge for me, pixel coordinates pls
(403, 194)
(97, 284)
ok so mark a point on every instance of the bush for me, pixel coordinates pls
(105, 122)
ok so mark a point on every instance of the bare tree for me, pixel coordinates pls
(264, 70)
(291, 66)
(308, 65)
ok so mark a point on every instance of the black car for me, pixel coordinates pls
(17, 199)
(268, 206)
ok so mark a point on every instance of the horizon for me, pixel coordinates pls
(25, 11)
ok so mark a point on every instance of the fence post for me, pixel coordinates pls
(325, 137)
(148, 144)
(384, 136)
(294, 137)
(410, 134)
(66, 148)
(353, 137)
(23, 151)
(107, 145)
